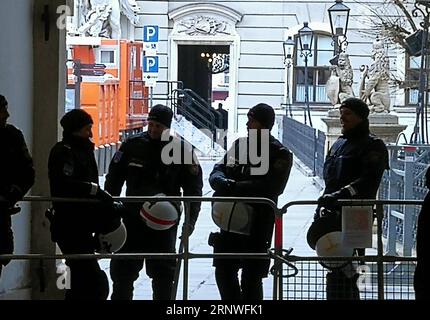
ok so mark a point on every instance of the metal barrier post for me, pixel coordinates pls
(151, 96)
(391, 230)
(41, 272)
(186, 253)
(408, 194)
(277, 277)
(314, 168)
(380, 263)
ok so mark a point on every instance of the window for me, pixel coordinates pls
(318, 70)
(412, 80)
(107, 56)
(226, 78)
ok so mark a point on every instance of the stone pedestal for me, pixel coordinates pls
(333, 128)
(384, 125)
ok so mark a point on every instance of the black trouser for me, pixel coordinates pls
(226, 270)
(340, 287)
(143, 239)
(6, 237)
(87, 280)
(249, 288)
(421, 282)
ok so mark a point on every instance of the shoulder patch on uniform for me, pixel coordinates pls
(68, 169)
(117, 157)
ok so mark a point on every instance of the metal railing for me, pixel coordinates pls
(306, 143)
(197, 110)
(185, 256)
(404, 180)
(278, 253)
(379, 259)
(165, 96)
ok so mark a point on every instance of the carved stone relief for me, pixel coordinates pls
(203, 25)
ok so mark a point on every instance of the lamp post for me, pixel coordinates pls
(420, 134)
(339, 17)
(288, 47)
(209, 59)
(306, 36)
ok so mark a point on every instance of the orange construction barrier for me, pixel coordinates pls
(101, 101)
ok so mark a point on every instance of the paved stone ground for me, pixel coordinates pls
(202, 285)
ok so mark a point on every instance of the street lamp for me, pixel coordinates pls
(288, 50)
(209, 58)
(306, 36)
(420, 133)
(288, 46)
(339, 17)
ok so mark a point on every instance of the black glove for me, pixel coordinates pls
(190, 229)
(104, 196)
(119, 209)
(224, 185)
(329, 200)
(8, 207)
(10, 198)
(321, 212)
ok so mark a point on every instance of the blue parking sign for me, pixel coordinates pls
(150, 64)
(150, 33)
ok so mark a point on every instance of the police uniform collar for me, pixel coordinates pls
(145, 135)
(75, 141)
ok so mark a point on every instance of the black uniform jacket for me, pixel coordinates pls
(356, 161)
(72, 171)
(16, 178)
(150, 167)
(248, 184)
(16, 165)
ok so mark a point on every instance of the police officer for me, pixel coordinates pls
(17, 177)
(143, 163)
(73, 174)
(421, 278)
(224, 122)
(353, 169)
(238, 176)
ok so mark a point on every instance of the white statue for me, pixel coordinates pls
(130, 9)
(339, 85)
(103, 17)
(332, 86)
(376, 90)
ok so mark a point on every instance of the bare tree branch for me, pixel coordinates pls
(393, 21)
(407, 14)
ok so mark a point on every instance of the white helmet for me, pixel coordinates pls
(234, 217)
(331, 245)
(113, 241)
(161, 215)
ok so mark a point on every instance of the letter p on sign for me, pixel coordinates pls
(150, 33)
(150, 64)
